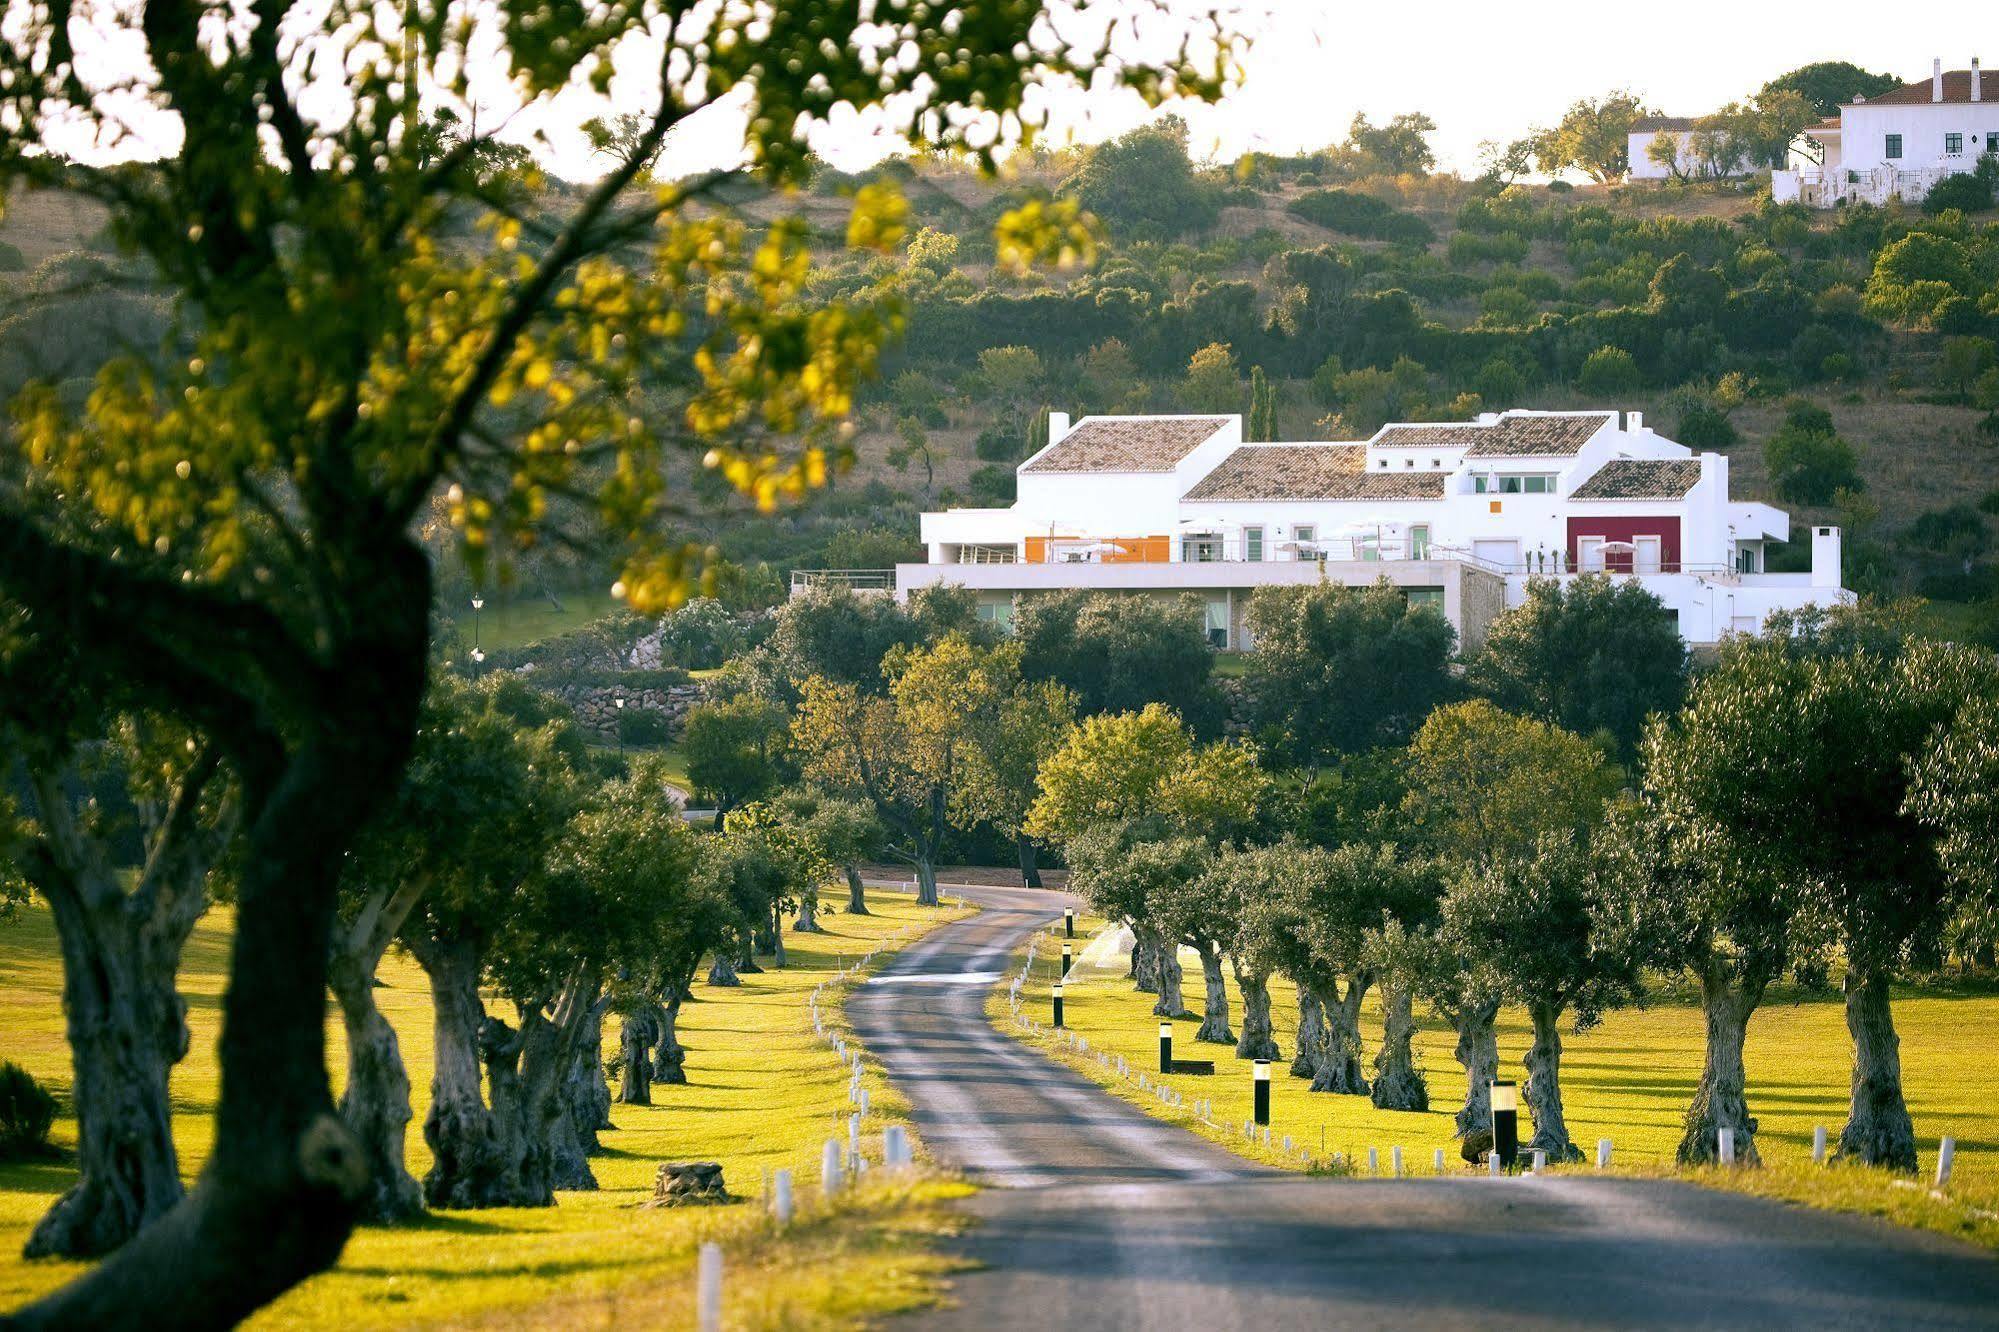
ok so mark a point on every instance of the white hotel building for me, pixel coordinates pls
(1460, 516)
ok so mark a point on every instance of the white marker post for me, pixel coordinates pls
(1603, 1153)
(1725, 1144)
(1395, 1161)
(1492, 1163)
(1540, 1160)
(1373, 1161)
(895, 1146)
(708, 1288)
(1818, 1145)
(1946, 1154)
(829, 1168)
(781, 1200)
(1438, 1160)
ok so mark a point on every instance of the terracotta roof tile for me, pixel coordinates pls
(1311, 472)
(1512, 436)
(1641, 478)
(1127, 444)
(1956, 88)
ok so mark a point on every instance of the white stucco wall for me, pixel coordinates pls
(1864, 132)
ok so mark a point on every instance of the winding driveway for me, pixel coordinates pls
(1097, 1216)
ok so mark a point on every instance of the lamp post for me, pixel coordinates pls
(1067, 958)
(618, 723)
(1166, 1047)
(1506, 1123)
(1056, 994)
(478, 653)
(1260, 1072)
(1068, 922)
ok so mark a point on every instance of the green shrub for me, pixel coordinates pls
(1808, 461)
(1958, 529)
(1970, 192)
(26, 1113)
(1361, 215)
(644, 726)
(1607, 372)
(11, 260)
(1703, 426)
(992, 487)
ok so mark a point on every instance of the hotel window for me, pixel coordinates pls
(1201, 550)
(1893, 149)
(1992, 141)
(1953, 144)
(1252, 544)
(1433, 597)
(1419, 542)
(1513, 485)
(1218, 622)
(998, 614)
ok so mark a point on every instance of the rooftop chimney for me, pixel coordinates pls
(1936, 80)
(1977, 88)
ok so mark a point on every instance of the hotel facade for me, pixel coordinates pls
(1460, 516)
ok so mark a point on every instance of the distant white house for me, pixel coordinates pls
(1897, 145)
(1646, 132)
(1459, 516)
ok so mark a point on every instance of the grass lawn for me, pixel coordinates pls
(764, 1093)
(529, 619)
(1629, 1079)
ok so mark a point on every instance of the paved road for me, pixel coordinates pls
(1100, 1217)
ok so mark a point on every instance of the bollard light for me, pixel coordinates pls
(1260, 1077)
(1166, 1047)
(1067, 958)
(1069, 922)
(1506, 1123)
(1056, 995)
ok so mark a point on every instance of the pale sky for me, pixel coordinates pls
(1480, 70)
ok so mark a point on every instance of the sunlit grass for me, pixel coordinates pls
(531, 619)
(764, 1093)
(1629, 1079)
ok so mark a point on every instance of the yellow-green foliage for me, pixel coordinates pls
(763, 1093)
(1629, 1080)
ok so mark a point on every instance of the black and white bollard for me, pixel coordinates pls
(1166, 1047)
(1056, 995)
(1068, 922)
(1068, 950)
(1260, 1076)
(1506, 1123)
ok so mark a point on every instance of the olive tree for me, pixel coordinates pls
(465, 811)
(1483, 785)
(1526, 923)
(1798, 758)
(1955, 791)
(911, 752)
(231, 526)
(1029, 725)
(736, 750)
(846, 831)
(124, 834)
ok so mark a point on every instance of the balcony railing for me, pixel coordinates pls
(854, 580)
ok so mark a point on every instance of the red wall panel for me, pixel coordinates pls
(1626, 528)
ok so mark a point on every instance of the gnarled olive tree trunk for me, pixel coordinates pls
(1144, 960)
(1397, 1083)
(808, 913)
(776, 949)
(722, 971)
(466, 1154)
(1339, 1069)
(926, 880)
(1477, 1053)
(1311, 1034)
(669, 1058)
(1166, 968)
(1543, 1092)
(1257, 1040)
(635, 1045)
(857, 893)
(127, 1029)
(1720, 1100)
(1215, 998)
(376, 1102)
(588, 1092)
(126, 1021)
(519, 1144)
(1877, 1130)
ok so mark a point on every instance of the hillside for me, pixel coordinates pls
(1364, 298)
